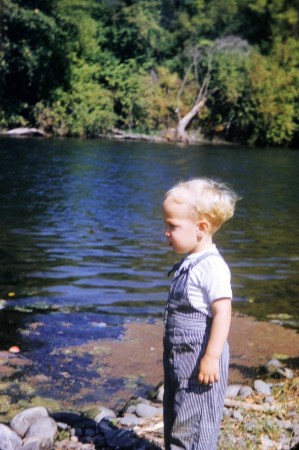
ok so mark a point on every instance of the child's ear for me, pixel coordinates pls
(203, 225)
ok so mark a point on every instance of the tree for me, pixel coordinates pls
(32, 58)
(200, 74)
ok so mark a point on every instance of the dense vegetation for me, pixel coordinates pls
(225, 68)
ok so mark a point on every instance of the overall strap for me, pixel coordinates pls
(202, 257)
(175, 267)
(192, 264)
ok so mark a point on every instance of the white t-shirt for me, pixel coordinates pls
(209, 280)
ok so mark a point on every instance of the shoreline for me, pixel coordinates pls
(111, 371)
(252, 344)
(138, 355)
(121, 135)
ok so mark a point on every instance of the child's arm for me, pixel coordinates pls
(209, 364)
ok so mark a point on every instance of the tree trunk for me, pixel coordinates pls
(181, 134)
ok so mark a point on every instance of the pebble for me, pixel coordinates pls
(261, 387)
(245, 391)
(233, 390)
(140, 426)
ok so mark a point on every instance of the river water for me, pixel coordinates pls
(82, 243)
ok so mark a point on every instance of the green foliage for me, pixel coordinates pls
(86, 109)
(157, 102)
(82, 67)
(274, 95)
(32, 60)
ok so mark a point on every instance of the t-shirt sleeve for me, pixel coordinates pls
(217, 282)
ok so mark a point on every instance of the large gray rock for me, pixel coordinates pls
(22, 421)
(36, 443)
(9, 440)
(43, 428)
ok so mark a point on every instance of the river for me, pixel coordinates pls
(82, 247)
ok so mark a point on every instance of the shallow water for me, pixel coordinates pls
(82, 248)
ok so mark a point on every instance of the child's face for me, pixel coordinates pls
(182, 231)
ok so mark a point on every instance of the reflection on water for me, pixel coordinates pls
(81, 237)
(81, 225)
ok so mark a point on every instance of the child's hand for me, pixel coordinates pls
(208, 370)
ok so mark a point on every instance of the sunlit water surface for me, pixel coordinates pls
(82, 247)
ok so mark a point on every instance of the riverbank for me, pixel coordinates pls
(136, 360)
(131, 365)
(168, 136)
(261, 407)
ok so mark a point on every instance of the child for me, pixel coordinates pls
(197, 315)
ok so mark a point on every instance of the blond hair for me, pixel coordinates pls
(208, 198)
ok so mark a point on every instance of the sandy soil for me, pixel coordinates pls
(110, 371)
(252, 344)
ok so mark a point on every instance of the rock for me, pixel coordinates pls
(131, 409)
(237, 415)
(286, 372)
(274, 366)
(104, 413)
(130, 420)
(147, 411)
(36, 443)
(233, 390)
(270, 399)
(22, 421)
(227, 412)
(43, 427)
(160, 394)
(261, 387)
(245, 391)
(9, 440)
(267, 443)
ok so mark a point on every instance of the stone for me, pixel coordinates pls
(43, 427)
(233, 390)
(131, 409)
(104, 413)
(160, 394)
(9, 440)
(286, 372)
(145, 410)
(274, 366)
(130, 420)
(245, 391)
(227, 412)
(36, 443)
(22, 421)
(261, 387)
(238, 415)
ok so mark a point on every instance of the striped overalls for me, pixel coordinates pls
(192, 411)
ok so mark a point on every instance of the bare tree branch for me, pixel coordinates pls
(227, 44)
